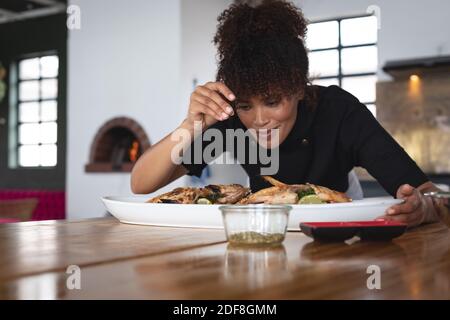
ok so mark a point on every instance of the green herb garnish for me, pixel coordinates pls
(306, 192)
(251, 237)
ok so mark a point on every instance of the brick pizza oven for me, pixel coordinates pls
(117, 145)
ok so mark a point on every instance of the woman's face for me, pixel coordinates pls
(264, 114)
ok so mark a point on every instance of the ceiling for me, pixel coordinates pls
(13, 10)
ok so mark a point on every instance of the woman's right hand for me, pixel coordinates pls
(208, 105)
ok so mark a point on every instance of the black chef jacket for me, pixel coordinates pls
(327, 141)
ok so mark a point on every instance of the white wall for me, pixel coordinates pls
(199, 22)
(409, 29)
(125, 60)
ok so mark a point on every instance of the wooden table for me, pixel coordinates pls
(127, 261)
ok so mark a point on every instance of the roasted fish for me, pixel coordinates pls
(282, 193)
(178, 195)
(279, 193)
(272, 195)
(211, 194)
(227, 193)
(328, 195)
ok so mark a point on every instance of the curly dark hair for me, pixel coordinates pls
(261, 50)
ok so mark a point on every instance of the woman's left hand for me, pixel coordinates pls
(413, 211)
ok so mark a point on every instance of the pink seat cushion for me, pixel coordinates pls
(51, 205)
(5, 220)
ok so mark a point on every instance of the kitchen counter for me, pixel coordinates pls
(144, 262)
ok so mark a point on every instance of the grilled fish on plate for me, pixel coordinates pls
(211, 194)
(281, 193)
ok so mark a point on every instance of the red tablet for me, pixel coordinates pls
(379, 230)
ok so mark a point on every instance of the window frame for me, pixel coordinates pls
(26, 38)
(15, 162)
(340, 76)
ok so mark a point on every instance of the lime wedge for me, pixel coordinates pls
(311, 199)
(203, 201)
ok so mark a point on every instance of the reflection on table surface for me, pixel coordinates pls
(175, 263)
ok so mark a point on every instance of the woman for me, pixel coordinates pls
(262, 83)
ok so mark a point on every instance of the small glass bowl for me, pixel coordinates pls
(255, 224)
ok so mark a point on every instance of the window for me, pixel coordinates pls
(343, 52)
(38, 167)
(37, 111)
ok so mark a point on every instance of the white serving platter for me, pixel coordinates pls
(135, 210)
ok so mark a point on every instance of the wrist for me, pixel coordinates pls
(438, 211)
(195, 128)
(186, 124)
(443, 210)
